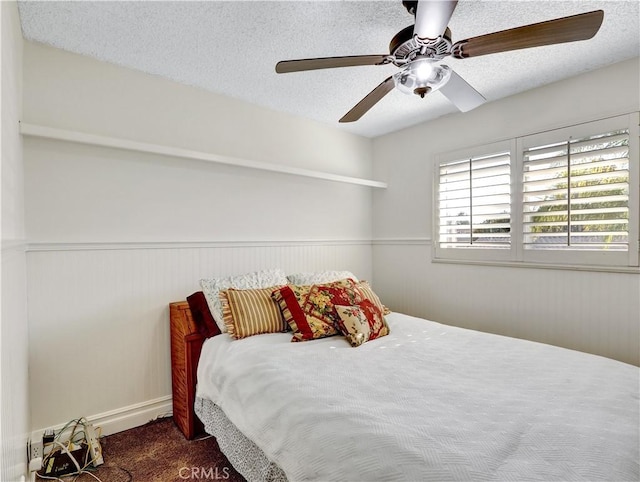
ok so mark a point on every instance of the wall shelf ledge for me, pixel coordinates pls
(44, 132)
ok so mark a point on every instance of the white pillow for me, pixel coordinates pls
(319, 277)
(258, 279)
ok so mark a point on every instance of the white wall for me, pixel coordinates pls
(14, 395)
(114, 236)
(593, 312)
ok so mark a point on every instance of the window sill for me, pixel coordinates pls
(517, 264)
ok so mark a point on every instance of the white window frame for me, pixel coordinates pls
(565, 258)
(470, 253)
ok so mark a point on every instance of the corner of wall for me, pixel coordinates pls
(14, 391)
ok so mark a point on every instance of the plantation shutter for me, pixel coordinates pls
(576, 194)
(474, 199)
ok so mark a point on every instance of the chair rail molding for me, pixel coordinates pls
(133, 245)
(402, 241)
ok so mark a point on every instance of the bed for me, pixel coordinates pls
(426, 402)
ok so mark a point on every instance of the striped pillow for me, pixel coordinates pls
(367, 292)
(251, 312)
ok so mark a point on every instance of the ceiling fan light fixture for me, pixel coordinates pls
(421, 76)
(423, 70)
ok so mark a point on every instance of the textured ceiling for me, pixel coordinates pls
(231, 47)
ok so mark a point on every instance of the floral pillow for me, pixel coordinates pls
(361, 323)
(322, 299)
(309, 310)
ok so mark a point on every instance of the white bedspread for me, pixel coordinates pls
(428, 402)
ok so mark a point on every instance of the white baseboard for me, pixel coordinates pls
(124, 418)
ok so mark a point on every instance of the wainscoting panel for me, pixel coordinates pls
(99, 317)
(595, 312)
(14, 376)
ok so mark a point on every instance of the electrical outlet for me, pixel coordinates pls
(34, 457)
(35, 450)
(35, 465)
(94, 445)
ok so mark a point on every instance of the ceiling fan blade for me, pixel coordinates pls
(286, 66)
(369, 101)
(566, 29)
(432, 17)
(461, 94)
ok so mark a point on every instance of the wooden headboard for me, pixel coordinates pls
(186, 344)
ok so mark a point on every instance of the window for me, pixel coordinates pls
(475, 200)
(562, 197)
(576, 194)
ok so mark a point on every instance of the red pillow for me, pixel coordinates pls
(322, 299)
(309, 310)
(201, 315)
(362, 322)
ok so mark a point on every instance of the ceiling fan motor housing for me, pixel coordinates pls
(405, 46)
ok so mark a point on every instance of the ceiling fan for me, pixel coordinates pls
(418, 50)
